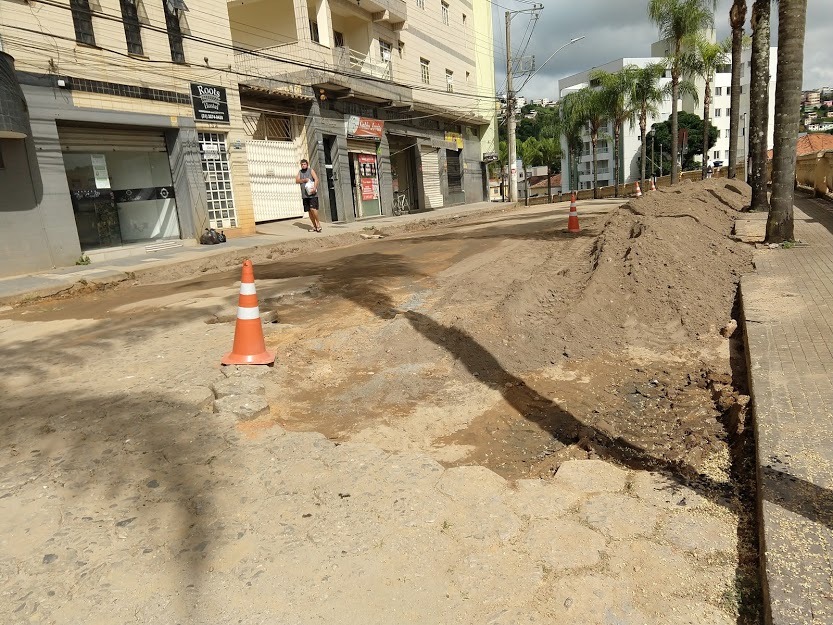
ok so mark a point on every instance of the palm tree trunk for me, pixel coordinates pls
(616, 161)
(643, 124)
(593, 139)
(675, 147)
(792, 22)
(759, 103)
(737, 18)
(707, 103)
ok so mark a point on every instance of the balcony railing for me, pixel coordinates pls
(356, 62)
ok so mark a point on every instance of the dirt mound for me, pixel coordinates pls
(662, 271)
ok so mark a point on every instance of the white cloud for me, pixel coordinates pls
(621, 28)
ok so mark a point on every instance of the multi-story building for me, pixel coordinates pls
(812, 98)
(630, 142)
(721, 108)
(149, 121)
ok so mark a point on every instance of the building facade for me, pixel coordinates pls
(149, 121)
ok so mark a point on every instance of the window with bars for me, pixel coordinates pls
(385, 52)
(445, 13)
(421, 4)
(132, 27)
(267, 127)
(424, 67)
(313, 31)
(449, 81)
(172, 15)
(217, 175)
(338, 39)
(82, 19)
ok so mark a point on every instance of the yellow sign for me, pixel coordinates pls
(455, 137)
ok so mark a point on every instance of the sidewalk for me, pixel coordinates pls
(787, 310)
(19, 288)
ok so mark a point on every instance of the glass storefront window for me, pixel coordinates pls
(121, 197)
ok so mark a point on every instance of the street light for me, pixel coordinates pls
(510, 108)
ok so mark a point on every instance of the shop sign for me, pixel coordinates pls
(210, 104)
(456, 138)
(365, 127)
(368, 189)
(368, 177)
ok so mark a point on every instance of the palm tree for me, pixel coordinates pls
(591, 110)
(572, 126)
(737, 19)
(706, 58)
(678, 22)
(759, 103)
(645, 97)
(615, 88)
(792, 22)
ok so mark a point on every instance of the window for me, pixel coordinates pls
(717, 112)
(445, 13)
(716, 154)
(338, 39)
(385, 53)
(729, 112)
(718, 91)
(421, 4)
(449, 81)
(216, 170)
(313, 31)
(132, 27)
(464, 19)
(718, 133)
(728, 91)
(426, 77)
(727, 155)
(467, 76)
(82, 18)
(172, 14)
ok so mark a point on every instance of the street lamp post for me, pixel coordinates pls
(510, 104)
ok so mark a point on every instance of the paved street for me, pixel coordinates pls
(787, 306)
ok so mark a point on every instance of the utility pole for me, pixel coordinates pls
(510, 115)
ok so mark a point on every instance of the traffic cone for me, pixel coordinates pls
(638, 190)
(653, 186)
(249, 346)
(572, 220)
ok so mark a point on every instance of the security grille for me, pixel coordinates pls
(216, 172)
(267, 127)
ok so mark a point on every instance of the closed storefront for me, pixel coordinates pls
(120, 185)
(363, 137)
(431, 176)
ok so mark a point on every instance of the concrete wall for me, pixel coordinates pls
(263, 23)
(815, 171)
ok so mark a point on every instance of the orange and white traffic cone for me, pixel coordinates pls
(638, 190)
(249, 345)
(653, 186)
(572, 220)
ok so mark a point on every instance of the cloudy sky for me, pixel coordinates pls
(621, 28)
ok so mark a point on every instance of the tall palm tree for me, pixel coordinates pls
(759, 103)
(737, 19)
(572, 127)
(678, 21)
(706, 58)
(645, 97)
(591, 109)
(615, 88)
(792, 22)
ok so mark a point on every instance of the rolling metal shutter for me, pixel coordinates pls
(97, 140)
(272, 169)
(431, 176)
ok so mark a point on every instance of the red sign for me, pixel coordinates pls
(365, 127)
(368, 189)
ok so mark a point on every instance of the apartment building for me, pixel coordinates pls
(139, 123)
(721, 108)
(576, 176)
(133, 130)
(384, 97)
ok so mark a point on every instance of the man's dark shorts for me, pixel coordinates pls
(310, 202)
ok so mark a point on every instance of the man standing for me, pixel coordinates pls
(308, 180)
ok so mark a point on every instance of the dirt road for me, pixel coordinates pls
(500, 341)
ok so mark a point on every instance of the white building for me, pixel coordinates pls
(630, 147)
(721, 107)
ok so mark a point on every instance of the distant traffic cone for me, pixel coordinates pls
(572, 220)
(638, 190)
(249, 346)
(653, 186)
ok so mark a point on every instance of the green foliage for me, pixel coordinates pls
(694, 124)
(83, 260)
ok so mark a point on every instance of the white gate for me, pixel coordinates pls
(431, 176)
(273, 166)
